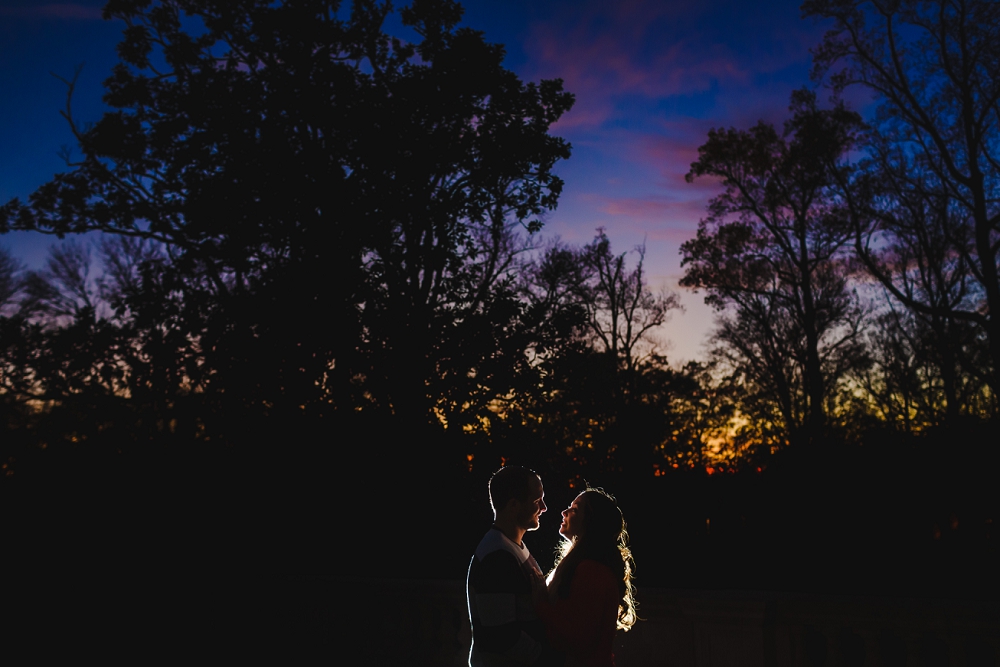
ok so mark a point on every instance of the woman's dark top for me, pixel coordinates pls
(583, 624)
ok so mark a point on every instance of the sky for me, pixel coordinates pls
(650, 78)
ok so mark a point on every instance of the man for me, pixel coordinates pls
(505, 630)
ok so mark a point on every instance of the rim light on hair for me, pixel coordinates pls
(604, 538)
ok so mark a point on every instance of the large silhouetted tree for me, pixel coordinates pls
(925, 213)
(336, 208)
(770, 254)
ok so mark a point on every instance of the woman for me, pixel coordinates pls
(589, 594)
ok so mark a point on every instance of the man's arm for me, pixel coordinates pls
(498, 580)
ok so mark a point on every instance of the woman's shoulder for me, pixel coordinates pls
(595, 569)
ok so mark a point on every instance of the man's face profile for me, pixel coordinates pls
(531, 508)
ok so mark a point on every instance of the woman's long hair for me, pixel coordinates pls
(604, 538)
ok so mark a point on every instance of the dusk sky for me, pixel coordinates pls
(650, 79)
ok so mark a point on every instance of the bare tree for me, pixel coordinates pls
(771, 253)
(65, 288)
(926, 213)
(622, 309)
(11, 279)
(124, 259)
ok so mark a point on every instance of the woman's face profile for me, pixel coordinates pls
(572, 523)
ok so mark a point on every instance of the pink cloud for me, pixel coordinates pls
(665, 158)
(610, 50)
(672, 235)
(599, 68)
(586, 112)
(68, 11)
(637, 208)
(600, 56)
(671, 157)
(681, 150)
(663, 211)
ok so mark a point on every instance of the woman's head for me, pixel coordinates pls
(595, 517)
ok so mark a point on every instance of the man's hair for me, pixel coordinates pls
(511, 482)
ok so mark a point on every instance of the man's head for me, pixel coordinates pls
(517, 495)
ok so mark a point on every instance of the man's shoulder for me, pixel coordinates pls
(495, 543)
(497, 567)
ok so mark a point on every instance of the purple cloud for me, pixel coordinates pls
(609, 54)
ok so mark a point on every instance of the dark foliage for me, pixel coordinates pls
(337, 206)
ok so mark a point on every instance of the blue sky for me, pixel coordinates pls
(651, 78)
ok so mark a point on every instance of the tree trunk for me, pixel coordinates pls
(816, 416)
(991, 281)
(949, 376)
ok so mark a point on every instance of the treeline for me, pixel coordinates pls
(312, 229)
(854, 262)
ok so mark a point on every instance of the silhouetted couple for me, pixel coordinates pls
(569, 618)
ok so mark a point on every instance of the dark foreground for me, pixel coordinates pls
(317, 619)
(407, 622)
(881, 554)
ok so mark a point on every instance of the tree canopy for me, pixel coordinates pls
(925, 207)
(309, 218)
(329, 202)
(773, 251)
